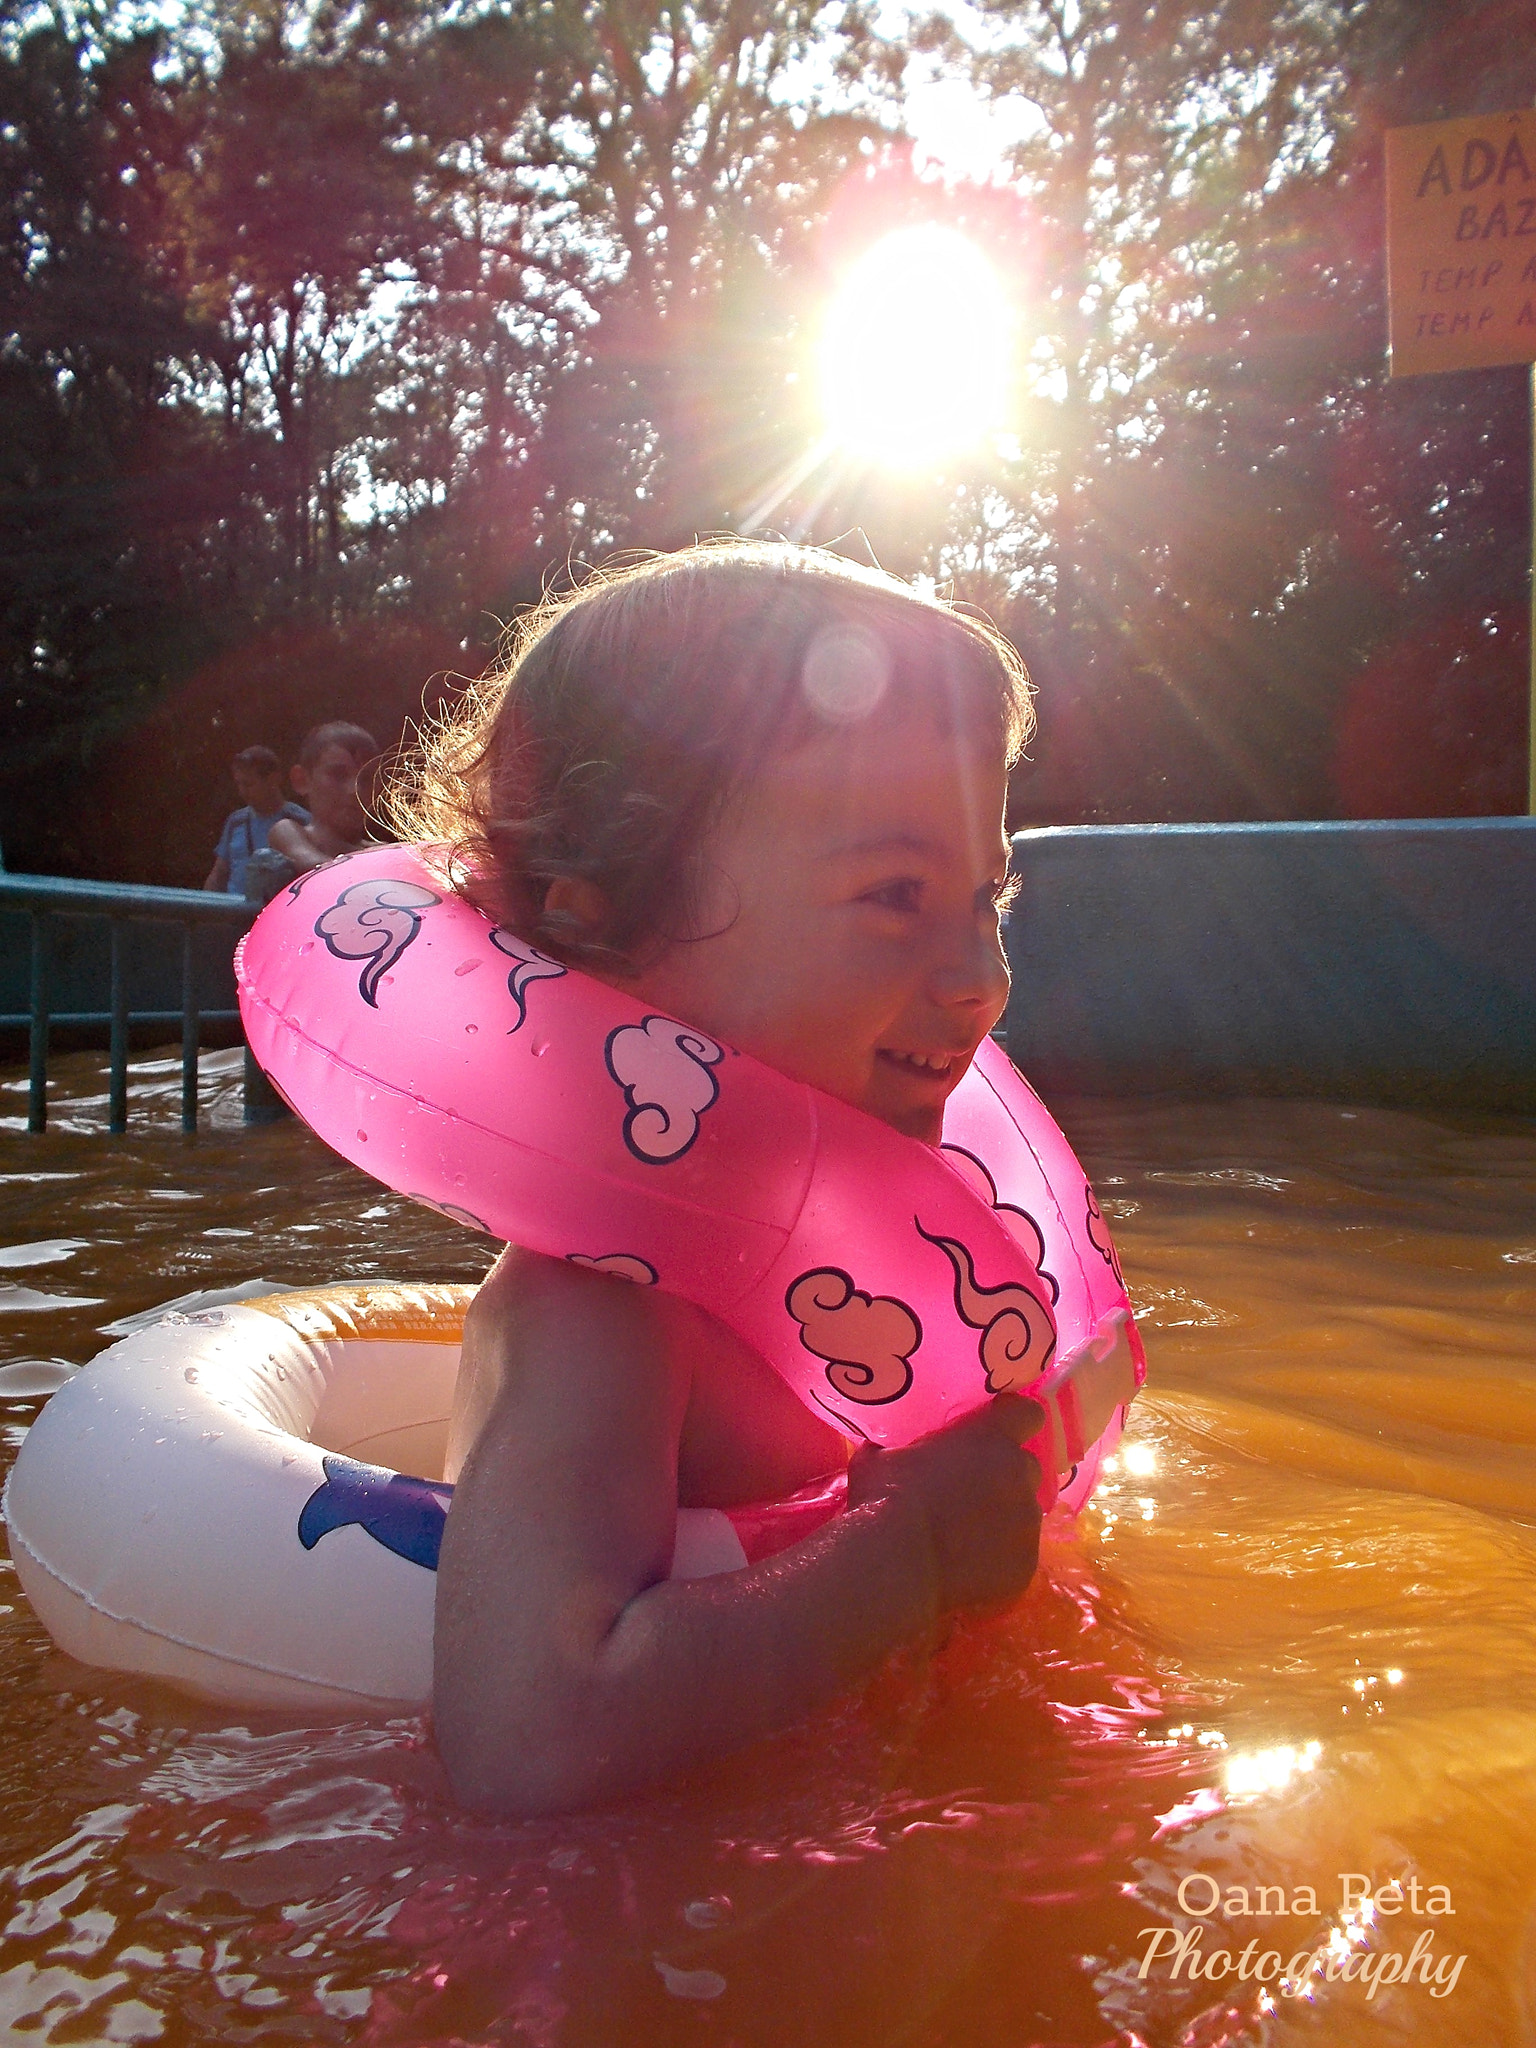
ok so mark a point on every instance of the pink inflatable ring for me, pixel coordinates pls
(893, 1285)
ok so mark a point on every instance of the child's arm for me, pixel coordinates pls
(289, 838)
(569, 1668)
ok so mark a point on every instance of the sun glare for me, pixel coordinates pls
(915, 350)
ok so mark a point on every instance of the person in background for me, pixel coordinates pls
(259, 782)
(326, 776)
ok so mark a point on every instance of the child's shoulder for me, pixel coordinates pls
(555, 1354)
(589, 1321)
(529, 1303)
(526, 1287)
(576, 1358)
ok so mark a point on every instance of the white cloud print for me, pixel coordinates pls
(664, 1070)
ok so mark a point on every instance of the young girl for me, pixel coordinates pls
(761, 790)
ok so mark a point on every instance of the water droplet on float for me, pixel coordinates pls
(540, 1047)
(190, 1375)
(362, 1137)
(307, 947)
(689, 1983)
(466, 967)
(471, 1029)
(707, 1913)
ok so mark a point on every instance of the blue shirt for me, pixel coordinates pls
(245, 832)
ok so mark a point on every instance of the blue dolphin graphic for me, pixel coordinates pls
(405, 1515)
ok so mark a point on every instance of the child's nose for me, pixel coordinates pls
(972, 974)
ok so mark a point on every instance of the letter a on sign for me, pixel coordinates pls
(1457, 188)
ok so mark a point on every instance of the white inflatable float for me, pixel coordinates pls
(247, 1500)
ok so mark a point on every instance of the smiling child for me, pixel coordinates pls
(762, 791)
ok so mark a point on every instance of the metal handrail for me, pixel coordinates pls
(48, 897)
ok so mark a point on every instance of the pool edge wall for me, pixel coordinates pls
(1379, 961)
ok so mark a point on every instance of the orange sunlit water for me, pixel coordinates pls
(1293, 1641)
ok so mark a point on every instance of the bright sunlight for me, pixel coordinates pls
(915, 351)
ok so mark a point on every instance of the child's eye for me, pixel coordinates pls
(905, 894)
(1004, 894)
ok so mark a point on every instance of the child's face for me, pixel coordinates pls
(850, 920)
(329, 789)
(262, 791)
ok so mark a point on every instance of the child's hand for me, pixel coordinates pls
(977, 1489)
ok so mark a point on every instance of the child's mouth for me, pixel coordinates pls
(924, 1066)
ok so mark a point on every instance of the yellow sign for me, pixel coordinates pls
(1461, 243)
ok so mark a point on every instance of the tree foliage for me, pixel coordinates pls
(1237, 515)
(331, 332)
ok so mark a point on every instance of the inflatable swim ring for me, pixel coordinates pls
(894, 1285)
(248, 1500)
(215, 1501)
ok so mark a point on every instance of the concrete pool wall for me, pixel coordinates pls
(1377, 961)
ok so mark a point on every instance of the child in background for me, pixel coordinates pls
(326, 775)
(259, 783)
(762, 791)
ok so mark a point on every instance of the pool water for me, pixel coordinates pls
(1292, 1642)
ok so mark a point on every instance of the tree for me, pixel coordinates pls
(334, 326)
(1219, 508)
(703, 141)
(104, 485)
(294, 200)
(424, 299)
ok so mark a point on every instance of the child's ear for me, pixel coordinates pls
(573, 901)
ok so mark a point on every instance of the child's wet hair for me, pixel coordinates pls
(629, 711)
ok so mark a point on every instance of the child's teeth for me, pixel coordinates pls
(924, 1062)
